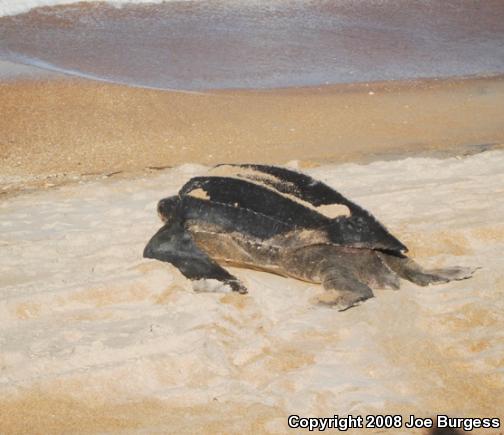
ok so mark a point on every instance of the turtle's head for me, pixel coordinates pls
(166, 208)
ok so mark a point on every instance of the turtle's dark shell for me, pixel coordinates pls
(269, 218)
(289, 199)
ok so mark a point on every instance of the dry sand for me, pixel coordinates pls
(93, 338)
(65, 129)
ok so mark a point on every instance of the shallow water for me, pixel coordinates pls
(222, 44)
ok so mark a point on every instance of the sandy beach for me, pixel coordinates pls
(398, 108)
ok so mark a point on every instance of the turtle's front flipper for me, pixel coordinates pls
(173, 244)
(408, 269)
(344, 288)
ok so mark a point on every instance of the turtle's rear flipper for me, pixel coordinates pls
(173, 244)
(344, 290)
(408, 269)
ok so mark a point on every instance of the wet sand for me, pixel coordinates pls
(63, 129)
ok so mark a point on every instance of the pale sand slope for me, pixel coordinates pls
(66, 128)
(95, 338)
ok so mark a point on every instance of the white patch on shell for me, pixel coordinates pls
(199, 193)
(334, 210)
(210, 286)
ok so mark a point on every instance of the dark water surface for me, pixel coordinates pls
(212, 44)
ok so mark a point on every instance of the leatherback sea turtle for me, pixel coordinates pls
(269, 218)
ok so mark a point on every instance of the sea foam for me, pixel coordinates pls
(13, 7)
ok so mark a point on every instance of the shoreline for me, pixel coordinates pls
(58, 130)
